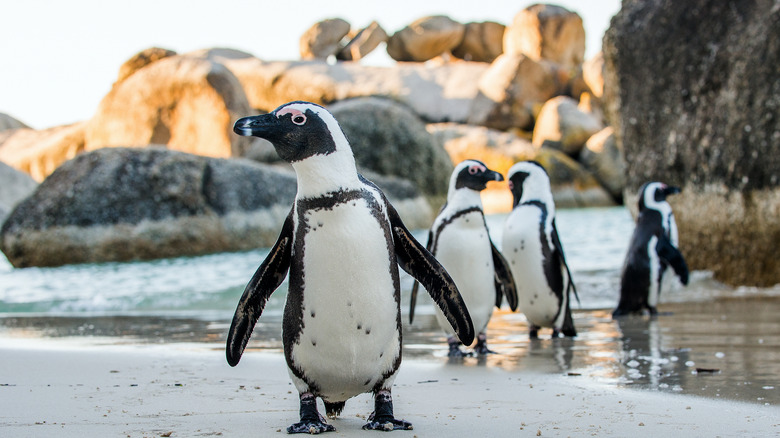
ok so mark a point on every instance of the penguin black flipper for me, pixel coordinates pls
(267, 278)
(505, 282)
(421, 264)
(674, 257)
(413, 298)
(559, 250)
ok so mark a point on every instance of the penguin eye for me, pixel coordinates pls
(473, 169)
(511, 185)
(299, 119)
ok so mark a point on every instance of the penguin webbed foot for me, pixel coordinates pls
(382, 418)
(311, 420)
(533, 333)
(455, 351)
(481, 349)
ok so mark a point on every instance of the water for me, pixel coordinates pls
(712, 340)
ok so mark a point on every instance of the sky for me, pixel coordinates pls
(59, 58)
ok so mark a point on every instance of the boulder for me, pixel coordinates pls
(482, 42)
(571, 184)
(14, 187)
(39, 152)
(388, 138)
(119, 204)
(424, 39)
(693, 94)
(323, 39)
(548, 32)
(142, 59)
(562, 125)
(363, 43)
(7, 122)
(593, 74)
(436, 93)
(510, 89)
(604, 159)
(185, 103)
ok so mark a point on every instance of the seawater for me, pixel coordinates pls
(594, 239)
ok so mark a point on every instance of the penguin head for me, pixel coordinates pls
(653, 195)
(473, 175)
(529, 181)
(298, 130)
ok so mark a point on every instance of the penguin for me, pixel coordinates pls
(652, 249)
(460, 241)
(533, 249)
(342, 243)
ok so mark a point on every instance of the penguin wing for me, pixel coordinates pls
(674, 257)
(422, 265)
(559, 254)
(413, 298)
(267, 278)
(503, 279)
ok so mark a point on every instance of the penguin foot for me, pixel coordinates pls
(311, 427)
(481, 348)
(534, 332)
(382, 418)
(455, 350)
(311, 420)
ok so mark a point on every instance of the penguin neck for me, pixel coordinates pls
(464, 198)
(321, 174)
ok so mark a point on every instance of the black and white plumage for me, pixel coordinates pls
(342, 243)
(652, 249)
(459, 239)
(533, 249)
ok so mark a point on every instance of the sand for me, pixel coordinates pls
(60, 388)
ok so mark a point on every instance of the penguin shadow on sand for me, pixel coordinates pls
(460, 241)
(651, 251)
(644, 360)
(342, 244)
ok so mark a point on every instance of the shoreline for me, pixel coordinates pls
(185, 390)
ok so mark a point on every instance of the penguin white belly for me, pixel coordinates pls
(522, 249)
(655, 273)
(349, 338)
(463, 248)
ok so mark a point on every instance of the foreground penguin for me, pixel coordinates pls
(652, 249)
(342, 243)
(533, 249)
(459, 239)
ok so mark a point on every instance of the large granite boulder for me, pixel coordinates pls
(141, 60)
(323, 39)
(548, 32)
(693, 94)
(424, 39)
(185, 103)
(363, 43)
(390, 139)
(482, 42)
(39, 152)
(436, 93)
(603, 157)
(7, 122)
(562, 125)
(118, 204)
(14, 187)
(510, 90)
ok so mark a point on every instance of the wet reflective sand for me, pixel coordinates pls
(728, 348)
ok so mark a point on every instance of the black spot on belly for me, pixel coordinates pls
(312, 314)
(313, 343)
(535, 297)
(531, 302)
(360, 326)
(381, 354)
(366, 382)
(368, 331)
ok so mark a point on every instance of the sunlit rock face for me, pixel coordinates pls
(694, 98)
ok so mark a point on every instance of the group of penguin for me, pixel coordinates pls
(343, 242)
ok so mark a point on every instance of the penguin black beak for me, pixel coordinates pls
(256, 126)
(495, 176)
(670, 190)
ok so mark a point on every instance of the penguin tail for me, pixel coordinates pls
(333, 409)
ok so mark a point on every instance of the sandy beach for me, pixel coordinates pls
(67, 387)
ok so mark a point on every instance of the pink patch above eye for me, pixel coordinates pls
(288, 110)
(474, 168)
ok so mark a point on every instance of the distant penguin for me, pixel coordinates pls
(459, 239)
(652, 249)
(342, 243)
(533, 249)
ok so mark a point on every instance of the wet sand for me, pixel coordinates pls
(702, 369)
